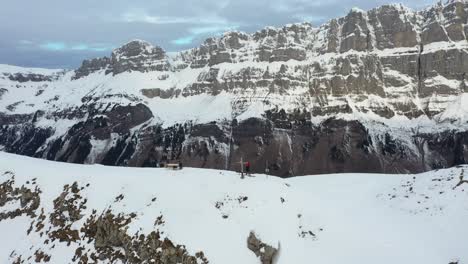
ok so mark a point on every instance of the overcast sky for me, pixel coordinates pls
(60, 34)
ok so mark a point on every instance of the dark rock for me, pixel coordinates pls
(91, 66)
(265, 252)
(138, 56)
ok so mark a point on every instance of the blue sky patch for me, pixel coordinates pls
(53, 46)
(183, 41)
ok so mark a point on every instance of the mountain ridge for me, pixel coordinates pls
(386, 86)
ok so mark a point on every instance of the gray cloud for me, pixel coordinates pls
(60, 34)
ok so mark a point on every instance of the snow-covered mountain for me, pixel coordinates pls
(67, 213)
(382, 90)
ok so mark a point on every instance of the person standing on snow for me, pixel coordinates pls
(247, 168)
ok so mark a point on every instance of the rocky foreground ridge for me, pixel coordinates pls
(53, 212)
(382, 90)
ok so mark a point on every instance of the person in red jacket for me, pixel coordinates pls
(247, 167)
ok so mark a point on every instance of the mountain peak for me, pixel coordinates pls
(138, 47)
(455, 1)
(356, 10)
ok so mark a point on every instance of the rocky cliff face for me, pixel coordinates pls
(382, 90)
(136, 55)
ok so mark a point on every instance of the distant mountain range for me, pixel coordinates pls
(383, 90)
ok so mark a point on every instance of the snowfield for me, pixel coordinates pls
(342, 218)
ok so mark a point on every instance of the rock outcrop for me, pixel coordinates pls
(95, 238)
(136, 55)
(265, 252)
(91, 66)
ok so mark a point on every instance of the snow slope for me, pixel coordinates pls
(342, 218)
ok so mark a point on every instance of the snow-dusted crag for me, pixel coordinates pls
(382, 90)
